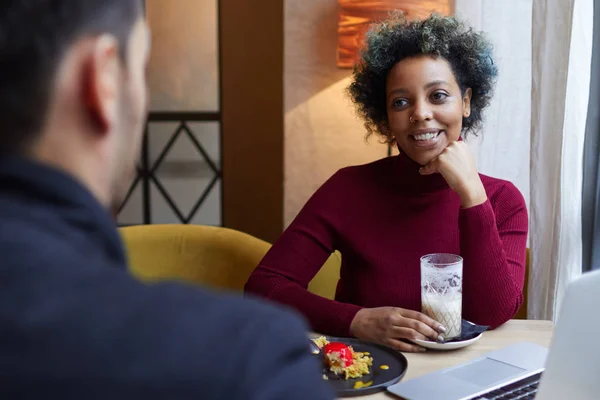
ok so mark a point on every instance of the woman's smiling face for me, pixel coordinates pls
(425, 106)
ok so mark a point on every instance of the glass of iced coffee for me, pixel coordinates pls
(441, 291)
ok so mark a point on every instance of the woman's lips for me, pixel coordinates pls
(427, 139)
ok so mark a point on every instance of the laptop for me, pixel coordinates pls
(568, 370)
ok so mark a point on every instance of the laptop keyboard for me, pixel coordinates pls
(525, 389)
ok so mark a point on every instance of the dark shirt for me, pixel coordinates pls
(75, 324)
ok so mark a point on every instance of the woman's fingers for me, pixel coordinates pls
(389, 325)
(414, 329)
(430, 168)
(404, 347)
(399, 332)
(439, 328)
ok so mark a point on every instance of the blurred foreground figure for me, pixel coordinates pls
(73, 322)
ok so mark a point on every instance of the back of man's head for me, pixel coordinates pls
(34, 35)
(88, 90)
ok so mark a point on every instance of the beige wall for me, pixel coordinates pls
(322, 133)
(183, 73)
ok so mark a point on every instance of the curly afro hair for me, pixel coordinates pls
(468, 53)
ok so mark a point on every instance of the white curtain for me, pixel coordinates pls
(534, 129)
(502, 150)
(562, 45)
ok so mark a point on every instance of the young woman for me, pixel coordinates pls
(421, 85)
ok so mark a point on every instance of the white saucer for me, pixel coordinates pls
(446, 346)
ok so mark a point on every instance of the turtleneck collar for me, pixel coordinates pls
(408, 172)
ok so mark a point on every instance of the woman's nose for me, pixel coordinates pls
(422, 112)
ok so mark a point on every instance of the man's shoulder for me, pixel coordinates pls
(33, 251)
(203, 337)
(26, 239)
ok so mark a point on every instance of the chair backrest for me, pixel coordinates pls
(213, 256)
(216, 257)
(325, 282)
(522, 313)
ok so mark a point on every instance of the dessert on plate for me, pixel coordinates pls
(342, 360)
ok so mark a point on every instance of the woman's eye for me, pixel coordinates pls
(439, 96)
(399, 103)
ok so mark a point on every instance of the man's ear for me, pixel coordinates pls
(101, 82)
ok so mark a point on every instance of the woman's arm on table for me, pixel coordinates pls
(493, 240)
(296, 257)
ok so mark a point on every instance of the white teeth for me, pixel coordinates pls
(425, 136)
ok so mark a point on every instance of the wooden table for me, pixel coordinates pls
(514, 331)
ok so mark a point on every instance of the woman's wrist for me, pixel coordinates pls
(356, 324)
(473, 195)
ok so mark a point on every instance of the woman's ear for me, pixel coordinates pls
(467, 103)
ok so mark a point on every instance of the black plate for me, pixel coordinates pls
(381, 378)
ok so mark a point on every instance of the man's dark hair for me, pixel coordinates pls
(34, 36)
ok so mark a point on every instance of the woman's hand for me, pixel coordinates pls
(457, 166)
(387, 325)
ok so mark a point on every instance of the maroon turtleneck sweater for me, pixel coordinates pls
(383, 217)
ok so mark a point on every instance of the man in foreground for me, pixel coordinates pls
(73, 322)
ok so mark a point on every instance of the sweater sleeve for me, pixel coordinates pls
(493, 240)
(296, 257)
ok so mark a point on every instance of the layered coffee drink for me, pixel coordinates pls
(447, 310)
(441, 291)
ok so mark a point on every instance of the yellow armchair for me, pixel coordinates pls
(325, 282)
(216, 257)
(522, 313)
